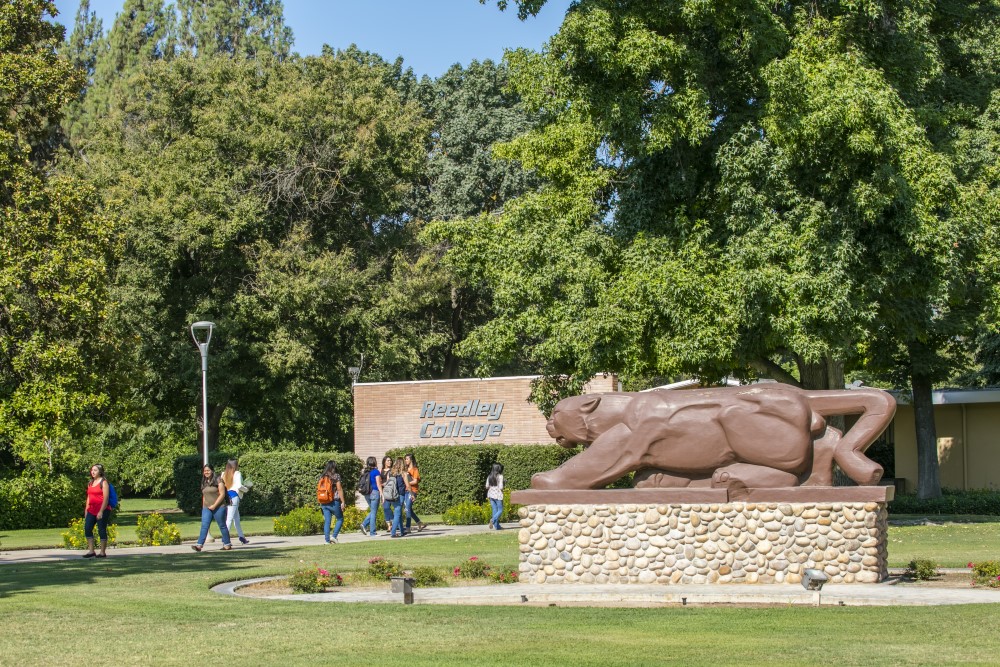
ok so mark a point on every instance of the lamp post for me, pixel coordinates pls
(354, 371)
(203, 329)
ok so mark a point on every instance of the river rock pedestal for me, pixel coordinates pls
(692, 536)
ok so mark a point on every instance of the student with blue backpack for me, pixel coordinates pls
(97, 511)
(370, 486)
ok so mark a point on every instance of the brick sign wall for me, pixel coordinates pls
(450, 412)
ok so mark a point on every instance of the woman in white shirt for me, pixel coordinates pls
(494, 491)
(233, 479)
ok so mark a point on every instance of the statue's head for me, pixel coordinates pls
(568, 423)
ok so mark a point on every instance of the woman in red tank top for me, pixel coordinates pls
(95, 511)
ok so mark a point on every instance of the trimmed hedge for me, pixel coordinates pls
(41, 501)
(451, 475)
(952, 501)
(282, 481)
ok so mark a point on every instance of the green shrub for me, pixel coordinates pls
(986, 573)
(470, 514)
(139, 458)
(451, 475)
(952, 501)
(34, 500)
(473, 568)
(921, 569)
(75, 539)
(426, 577)
(380, 568)
(503, 575)
(466, 514)
(354, 515)
(282, 481)
(300, 521)
(154, 530)
(308, 580)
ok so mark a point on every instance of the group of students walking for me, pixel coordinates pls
(395, 486)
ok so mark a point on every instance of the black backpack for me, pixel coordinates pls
(365, 483)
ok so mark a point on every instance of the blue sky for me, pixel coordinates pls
(430, 35)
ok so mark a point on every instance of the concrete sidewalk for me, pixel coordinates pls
(652, 595)
(256, 542)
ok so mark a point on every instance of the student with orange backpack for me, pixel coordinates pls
(330, 494)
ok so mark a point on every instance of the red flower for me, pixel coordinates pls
(324, 572)
(457, 571)
(972, 564)
(474, 558)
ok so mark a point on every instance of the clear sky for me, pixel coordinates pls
(430, 35)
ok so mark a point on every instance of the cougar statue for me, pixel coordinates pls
(756, 436)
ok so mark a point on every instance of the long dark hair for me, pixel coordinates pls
(413, 459)
(370, 463)
(211, 481)
(496, 471)
(330, 470)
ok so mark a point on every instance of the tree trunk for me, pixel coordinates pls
(928, 470)
(214, 419)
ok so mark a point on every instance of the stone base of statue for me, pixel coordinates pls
(692, 536)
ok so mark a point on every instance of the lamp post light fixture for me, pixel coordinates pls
(201, 330)
(354, 371)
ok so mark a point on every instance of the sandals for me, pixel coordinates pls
(228, 547)
(196, 547)
(90, 555)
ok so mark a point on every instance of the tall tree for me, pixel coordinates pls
(770, 181)
(53, 278)
(261, 195)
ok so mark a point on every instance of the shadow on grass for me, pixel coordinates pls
(26, 578)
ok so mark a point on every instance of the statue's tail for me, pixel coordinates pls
(876, 408)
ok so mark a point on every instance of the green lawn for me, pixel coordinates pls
(159, 610)
(42, 538)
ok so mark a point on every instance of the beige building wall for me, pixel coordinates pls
(388, 415)
(968, 445)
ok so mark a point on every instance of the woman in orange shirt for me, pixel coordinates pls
(412, 479)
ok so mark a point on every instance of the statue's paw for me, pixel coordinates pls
(545, 480)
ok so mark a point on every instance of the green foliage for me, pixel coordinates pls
(426, 576)
(300, 521)
(986, 573)
(473, 568)
(354, 516)
(75, 539)
(451, 475)
(154, 530)
(466, 513)
(382, 569)
(282, 481)
(952, 501)
(34, 500)
(503, 575)
(922, 569)
(308, 580)
(140, 457)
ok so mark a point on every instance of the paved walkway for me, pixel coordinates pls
(624, 595)
(256, 542)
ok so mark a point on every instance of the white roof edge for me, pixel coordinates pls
(953, 396)
(511, 377)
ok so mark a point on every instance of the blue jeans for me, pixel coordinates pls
(396, 507)
(102, 525)
(497, 505)
(219, 515)
(330, 510)
(408, 509)
(372, 512)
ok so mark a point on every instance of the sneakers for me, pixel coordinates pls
(421, 527)
(228, 547)
(196, 547)
(244, 540)
(90, 555)
(333, 540)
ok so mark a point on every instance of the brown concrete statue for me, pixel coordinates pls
(758, 436)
